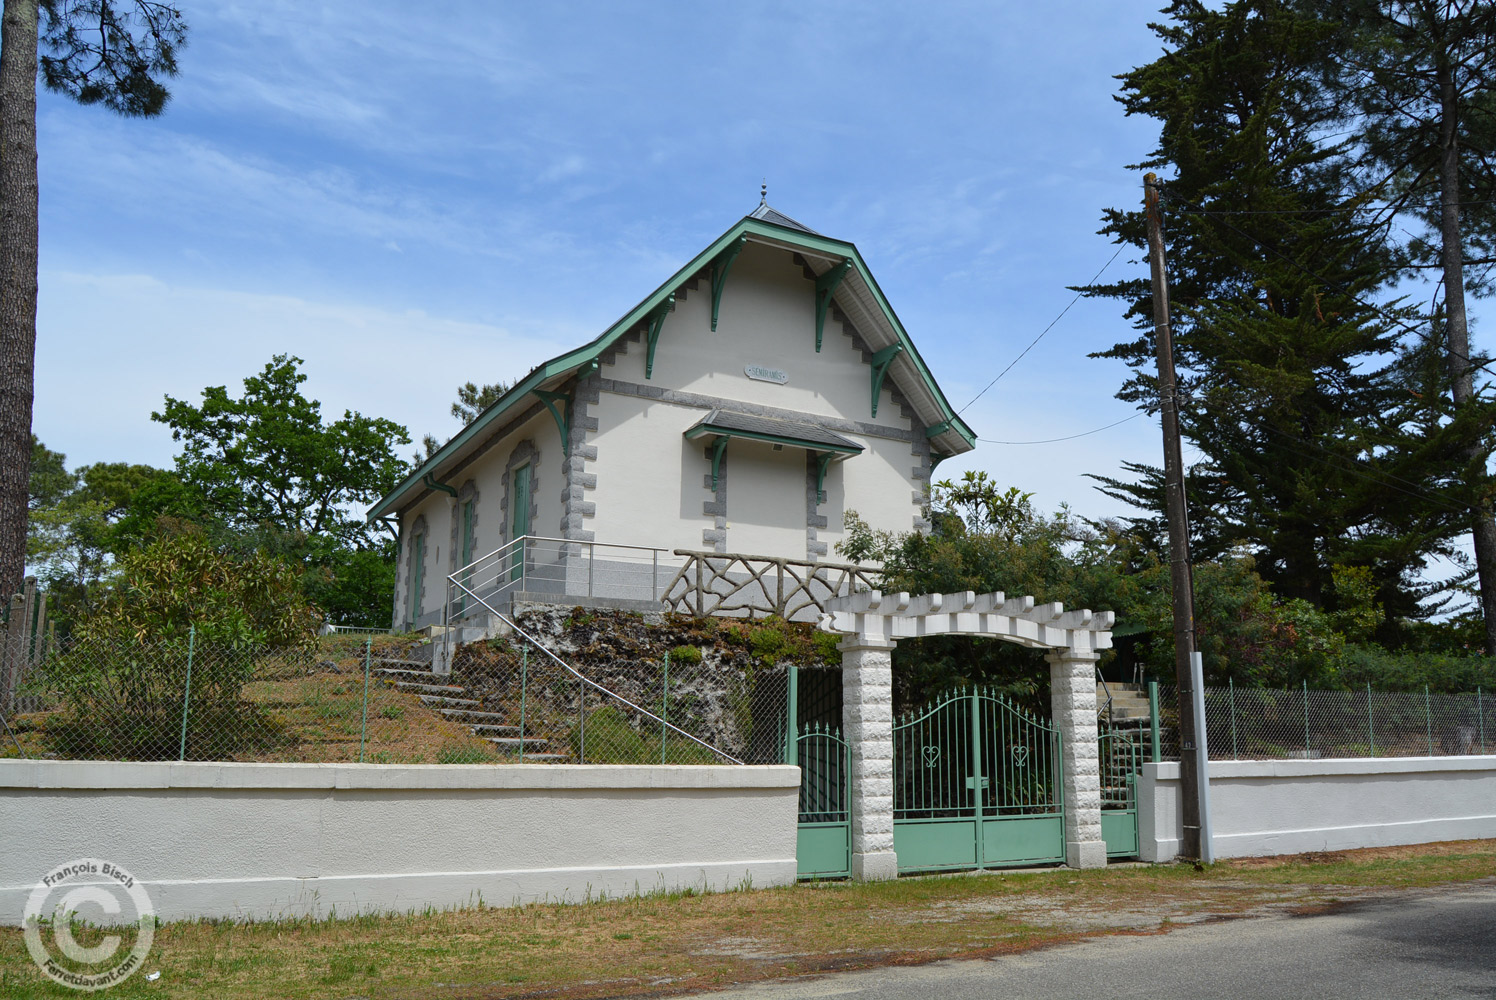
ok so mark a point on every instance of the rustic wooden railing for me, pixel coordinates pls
(735, 585)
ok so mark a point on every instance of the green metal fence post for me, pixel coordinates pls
(792, 717)
(187, 689)
(1306, 717)
(1371, 729)
(664, 706)
(582, 722)
(1153, 721)
(1428, 718)
(1480, 713)
(1231, 693)
(976, 770)
(524, 670)
(363, 731)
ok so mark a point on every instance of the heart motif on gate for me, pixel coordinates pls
(1020, 756)
(932, 754)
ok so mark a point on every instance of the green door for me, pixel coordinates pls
(823, 847)
(417, 577)
(519, 498)
(1121, 758)
(467, 554)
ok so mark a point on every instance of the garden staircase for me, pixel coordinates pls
(454, 703)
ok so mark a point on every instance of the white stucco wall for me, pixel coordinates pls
(437, 509)
(1265, 807)
(274, 840)
(487, 472)
(650, 487)
(649, 483)
(767, 318)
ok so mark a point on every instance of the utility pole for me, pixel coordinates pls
(1181, 578)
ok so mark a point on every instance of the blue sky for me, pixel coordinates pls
(409, 196)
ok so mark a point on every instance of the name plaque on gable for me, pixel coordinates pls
(766, 374)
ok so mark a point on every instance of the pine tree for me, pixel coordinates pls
(1289, 379)
(110, 52)
(1419, 78)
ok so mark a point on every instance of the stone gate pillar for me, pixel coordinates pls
(1072, 692)
(867, 724)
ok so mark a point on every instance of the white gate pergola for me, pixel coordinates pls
(873, 623)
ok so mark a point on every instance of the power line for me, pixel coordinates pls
(1070, 437)
(1036, 340)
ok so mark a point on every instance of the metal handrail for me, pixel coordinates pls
(592, 683)
(564, 541)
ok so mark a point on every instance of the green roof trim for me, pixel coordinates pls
(564, 365)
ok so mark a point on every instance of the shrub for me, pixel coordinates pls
(685, 654)
(610, 740)
(178, 601)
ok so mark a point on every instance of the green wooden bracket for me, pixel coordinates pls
(720, 267)
(939, 429)
(935, 461)
(823, 462)
(656, 322)
(825, 289)
(430, 483)
(881, 361)
(562, 416)
(719, 448)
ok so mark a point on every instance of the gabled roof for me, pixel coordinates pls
(857, 295)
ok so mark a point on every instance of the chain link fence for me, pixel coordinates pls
(1297, 723)
(633, 706)
(374, 699)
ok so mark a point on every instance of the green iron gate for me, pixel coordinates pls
(977, 783)
(823, 846)
(1121, 753)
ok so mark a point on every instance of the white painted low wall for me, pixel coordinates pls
(271, 840)
(1264, 807)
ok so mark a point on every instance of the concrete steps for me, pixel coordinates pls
(490, 729)
(447, 701)
(453, 690)
(1129, 702)
(513, 742)
(472, 715)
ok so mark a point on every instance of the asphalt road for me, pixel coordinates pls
(1429, 944)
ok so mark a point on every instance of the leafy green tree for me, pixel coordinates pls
(351, 585)
(75, 540)
(116, 53)
(267, 457)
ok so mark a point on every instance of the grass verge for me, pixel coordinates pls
(670, 943)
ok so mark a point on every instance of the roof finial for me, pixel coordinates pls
(763, 192)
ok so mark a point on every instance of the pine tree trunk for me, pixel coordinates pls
(1462, 387)
(18, 257)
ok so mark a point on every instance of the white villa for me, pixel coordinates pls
(743, 406)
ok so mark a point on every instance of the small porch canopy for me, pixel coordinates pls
(723, 425)
(873, 622)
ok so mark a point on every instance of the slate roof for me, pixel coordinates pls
(767, 213)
